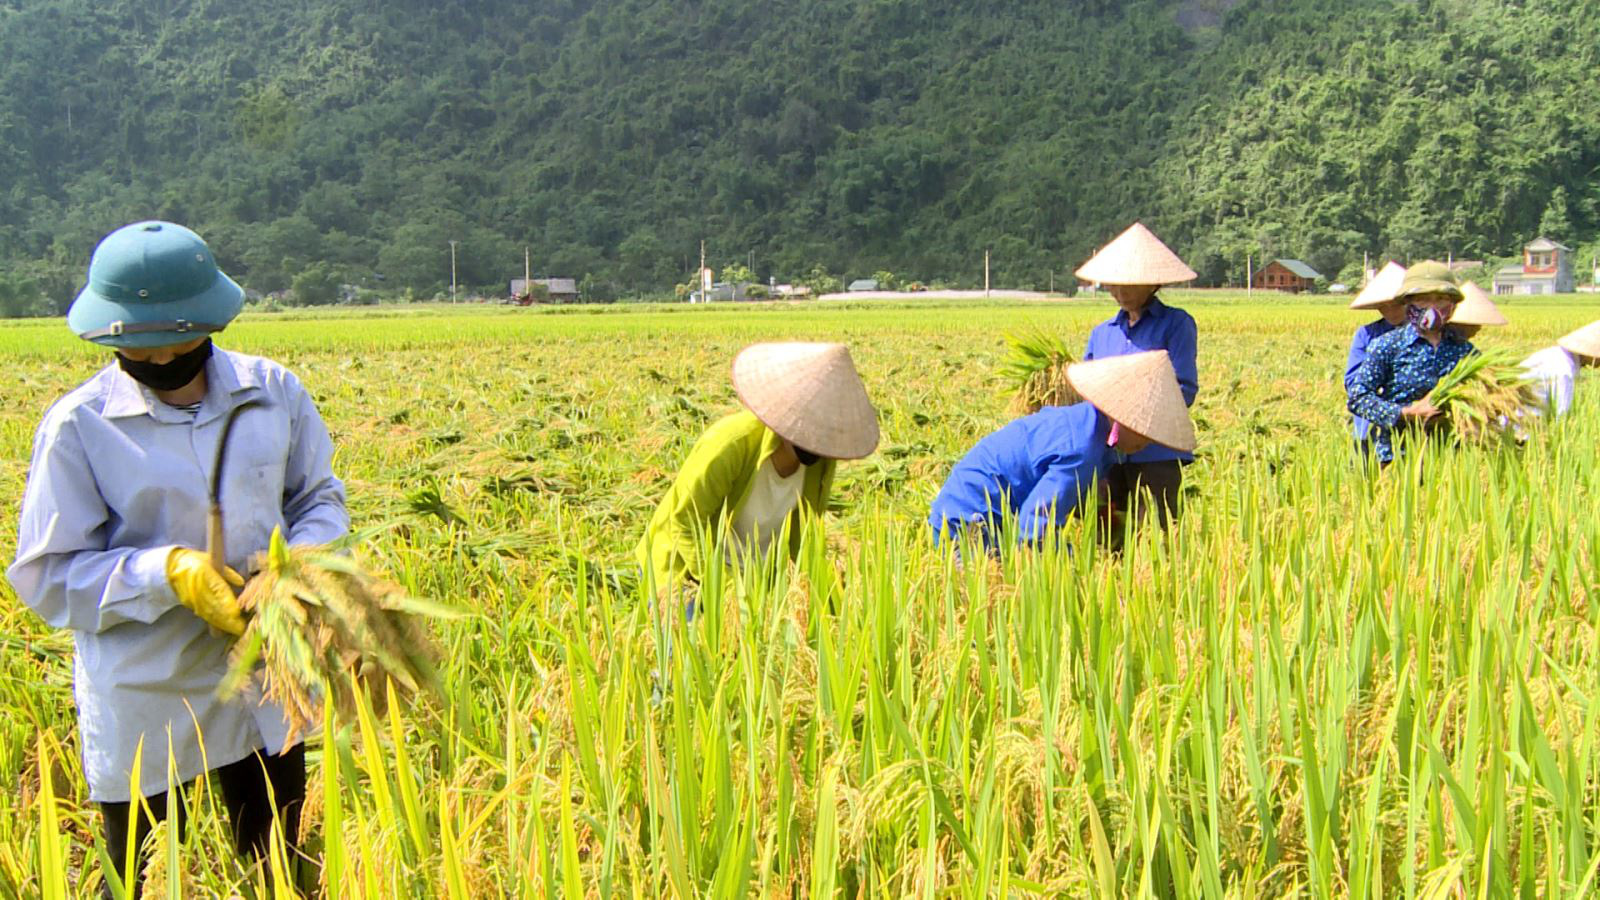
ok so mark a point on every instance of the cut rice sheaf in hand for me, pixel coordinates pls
(319, 624)
(1484, 396)
(1035, 372)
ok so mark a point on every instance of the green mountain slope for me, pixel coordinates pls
(360, 137)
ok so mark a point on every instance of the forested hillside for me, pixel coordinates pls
(354, 138)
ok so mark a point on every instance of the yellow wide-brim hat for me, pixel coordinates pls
(1137, 256)
(1382, 288)
(1140, 391)
(810, 395)
(1584, 342)
(1476, 308)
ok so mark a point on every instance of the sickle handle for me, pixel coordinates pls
(215, 547)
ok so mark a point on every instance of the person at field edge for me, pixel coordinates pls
(1133, 268)
(1038, 470)
(1475, 312)
(112, 526)
(1392, 386)
(767, 468)
(1378, 295)
(1555, 368)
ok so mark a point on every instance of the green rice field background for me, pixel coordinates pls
(1319, 683)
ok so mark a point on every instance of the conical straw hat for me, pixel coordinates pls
(1584, 342)
(1137, 256)
(1140, 391)
(1382, 288)
(1476, 308)
(810, 395)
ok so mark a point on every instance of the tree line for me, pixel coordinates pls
(348, 141)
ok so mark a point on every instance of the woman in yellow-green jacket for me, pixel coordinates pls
(754, 471)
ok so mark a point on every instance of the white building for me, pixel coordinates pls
(1546, 269)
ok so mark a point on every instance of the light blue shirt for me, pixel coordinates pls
(118, 479)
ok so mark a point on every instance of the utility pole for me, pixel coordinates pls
(1249, 276)
(527, 271)
(453, 270)
(986, 274)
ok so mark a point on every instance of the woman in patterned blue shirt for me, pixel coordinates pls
(1390, 389)
(1377, 296)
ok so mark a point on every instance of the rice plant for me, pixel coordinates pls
(1484, 395)
(1034, 371)
(318, 624)
(1319, 682)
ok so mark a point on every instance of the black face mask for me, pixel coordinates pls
(168, 376)
(806, 457)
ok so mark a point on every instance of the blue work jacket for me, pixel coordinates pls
(1036, 470)
(1161, 327)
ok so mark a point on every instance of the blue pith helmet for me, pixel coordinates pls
(152, 284)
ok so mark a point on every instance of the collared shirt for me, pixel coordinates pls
(1555, 371)
(118, 479)
(1037, 470)
(1160, 327)
(1401, 367)
(1365, 335)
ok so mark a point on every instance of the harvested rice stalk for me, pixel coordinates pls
(317, 622)
(1483, 395)
(1035, 372)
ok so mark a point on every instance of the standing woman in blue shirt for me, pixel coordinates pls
(1133, 267)
(1378, 295)
(1391, 387)
(114, 524)
(1039, 469)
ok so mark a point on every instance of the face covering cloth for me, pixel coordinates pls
(1425, 318)
(168, 376)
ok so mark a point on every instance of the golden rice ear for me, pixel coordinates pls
(278, 551)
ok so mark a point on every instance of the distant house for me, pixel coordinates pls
(863, 284)
(1290, 275)
(723, 291)
(562, 290)
(1546, 269)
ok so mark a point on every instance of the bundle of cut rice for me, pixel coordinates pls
(1035, 372)
(318, 623)
(1484, 395)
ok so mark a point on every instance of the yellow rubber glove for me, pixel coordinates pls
(205, 590)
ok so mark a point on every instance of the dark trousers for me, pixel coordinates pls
(245, 786)
(1131, 485)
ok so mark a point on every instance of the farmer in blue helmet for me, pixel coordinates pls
(114, 542)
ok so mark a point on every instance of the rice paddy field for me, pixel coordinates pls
(1319, 683)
